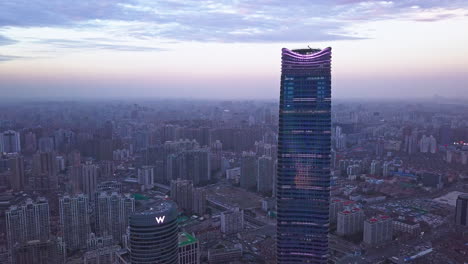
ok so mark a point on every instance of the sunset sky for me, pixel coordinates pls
(229, 49)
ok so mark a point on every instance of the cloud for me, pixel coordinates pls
(214, 21)
(6, 41)
(8, 58)
(434, 18)
(93, 43)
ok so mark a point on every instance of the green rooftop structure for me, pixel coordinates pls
(140, 197)
(189, 249)
(186, 239)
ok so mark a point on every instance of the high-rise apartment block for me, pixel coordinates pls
(461, 210)
(10, 142)
(112, 213)
(44, 170)
(27, 222)
(249, 170)
(89, 175)
(146, 177)
(15, 164)
(336, 206)
(265, 175)
(74, 220)
(232, 221)
(182, 194)
(350, 222)
(199, 201)
(378, 230)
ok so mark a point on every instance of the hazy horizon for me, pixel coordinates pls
(229, 49)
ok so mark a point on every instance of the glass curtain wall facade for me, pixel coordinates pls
(304, 146)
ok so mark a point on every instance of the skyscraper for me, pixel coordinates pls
(304, 145)
(154, 234)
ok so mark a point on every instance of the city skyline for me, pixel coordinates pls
(167, 49)
(233, 131)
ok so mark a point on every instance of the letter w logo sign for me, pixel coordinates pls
(160, 219)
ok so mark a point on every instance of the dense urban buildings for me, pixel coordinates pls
(304, 145)
(376, 168)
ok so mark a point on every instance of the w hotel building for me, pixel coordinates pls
(303, 182)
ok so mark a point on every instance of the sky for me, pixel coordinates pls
(229, 49)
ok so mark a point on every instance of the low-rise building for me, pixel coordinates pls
(405, 226)
(224, 255)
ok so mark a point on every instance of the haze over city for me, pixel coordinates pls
(233, 132)
(228, 49)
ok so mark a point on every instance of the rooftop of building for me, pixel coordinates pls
(306, 51)
(186, 239)
(152, 206)
(378, 218)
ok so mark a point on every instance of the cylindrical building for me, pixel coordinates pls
(154, 234)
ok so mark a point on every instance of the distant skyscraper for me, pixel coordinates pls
(45, 170)
(112, 212)
(265, 174)
(146, 176)
(89, 174)
(197, 165)
(74, 220)
(154, 234)
(304, 145)
(10, 142)
(461, 211)
(249, 170)
(182, 194)
(191, 165)
(46, 144)
(30, 142)
(28, 222)
(199, 201)
(376, 168)
(16, 166)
